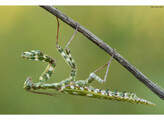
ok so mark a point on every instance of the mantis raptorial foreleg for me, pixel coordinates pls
(40, 56)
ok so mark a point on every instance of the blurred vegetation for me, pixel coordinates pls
(136, 32)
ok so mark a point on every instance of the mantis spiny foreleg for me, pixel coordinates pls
(40, 56)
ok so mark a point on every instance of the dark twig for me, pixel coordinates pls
(140, 76)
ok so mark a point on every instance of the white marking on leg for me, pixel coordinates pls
(117, 94)
(41, 78)
(81, 88)
(36, 58)
(95, 91)
(62, 87)
(48, 76)
(89, 90)
(72, 87)
(27, 53)
(126, 96)
(33, 51)
(110, 93)
(75, 93)
(51, 68)
(63, 54)
(103, 92)
(89, 95)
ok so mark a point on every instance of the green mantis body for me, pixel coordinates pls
(70, 85)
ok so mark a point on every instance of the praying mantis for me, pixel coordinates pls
(71, 85)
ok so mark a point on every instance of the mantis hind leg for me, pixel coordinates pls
(93, 76)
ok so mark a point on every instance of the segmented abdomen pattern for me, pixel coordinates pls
(104, 94)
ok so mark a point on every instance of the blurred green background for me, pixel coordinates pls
(136, 32)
